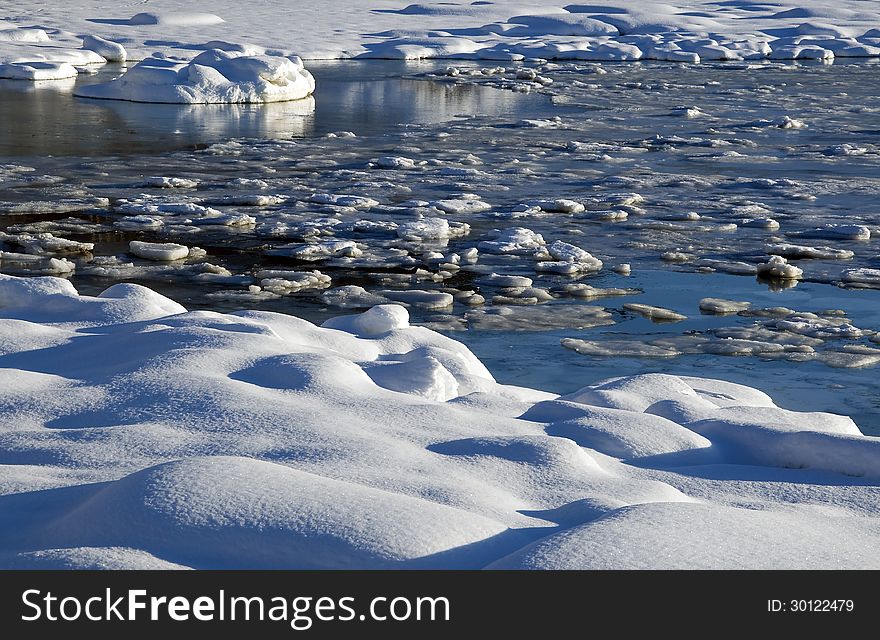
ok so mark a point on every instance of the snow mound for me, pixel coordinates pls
(23, 35)
(175, 19)
(49, 299)
(239, 512)
(212, 77)
(374, 322)
(560, 25)
(699, 536)
(110, 51)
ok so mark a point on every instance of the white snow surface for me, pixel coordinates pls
(137, 434)
(676, 30)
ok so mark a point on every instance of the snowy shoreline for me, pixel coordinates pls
(244, 55)
(139, 435)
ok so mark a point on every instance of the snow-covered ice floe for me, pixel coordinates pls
(212, 77)
(140, 435)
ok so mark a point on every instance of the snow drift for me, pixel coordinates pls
(140, 435)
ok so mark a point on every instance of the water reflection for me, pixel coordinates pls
(194, 123)
(369, 98)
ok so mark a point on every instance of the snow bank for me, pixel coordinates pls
(212, 77)
(616, 30)
(140, 435)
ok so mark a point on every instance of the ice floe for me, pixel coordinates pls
(214, 76)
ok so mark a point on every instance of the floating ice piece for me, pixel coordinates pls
(760, 223)
(357, 202)
(432, 229)
(160, 252)
(778, 267)
(676, 256)
(722, 307)
(462, 206)
(110, 51)
(539, 123)
(164, 182)
(845, 149)
(619, 348)
(43, 265)
(46, 243)
(568, 259)
(654, 313)
(420, 298)
(246, 200)
(589, 292)
(253, 294)
(499, 280)
(287, 282)
(214, 76)
(515, 241)
(800, 252)
(560, 205)
(319, 250)
(839, 232)
(862, 276)
(733, 267)
(396, 162)
(787, 122)
(539, 318)
(352, 297)
(688, 112)
(62, 205)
